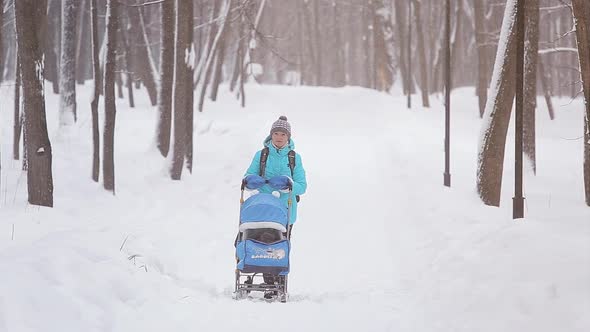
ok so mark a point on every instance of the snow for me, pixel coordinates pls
(189, 56)
(380, 244)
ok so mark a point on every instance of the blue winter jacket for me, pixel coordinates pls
(278, 164)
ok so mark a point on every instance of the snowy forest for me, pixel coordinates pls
(126, 127)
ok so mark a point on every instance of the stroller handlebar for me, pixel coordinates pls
(280, 182)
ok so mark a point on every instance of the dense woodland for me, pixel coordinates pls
(182, 52)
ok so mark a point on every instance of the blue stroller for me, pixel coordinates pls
(262, 244)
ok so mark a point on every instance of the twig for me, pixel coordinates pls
(123, 244)
(572, 139)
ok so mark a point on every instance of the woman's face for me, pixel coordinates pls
(279, 139)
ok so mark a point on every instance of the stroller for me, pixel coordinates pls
(262, 244)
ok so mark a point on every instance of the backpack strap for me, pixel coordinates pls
(263, 158)
(292, 161)
(292, 167)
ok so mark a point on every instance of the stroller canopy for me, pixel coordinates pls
(263, 208)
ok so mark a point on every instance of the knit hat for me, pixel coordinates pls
(281, 125)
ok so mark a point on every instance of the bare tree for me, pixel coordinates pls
(480, 33)
(183, 89)
(421, 52)
(1, 48)
(129, 63)
(581, 9)
(339, 71)
(166, 78)
(400, 20)
(201, 68)
(530, 80)
(18, 116)
(213, 49)
(82, 43)
(317, 42)
(110, 109)
(52, 43)
(29, 18)
(545, 86)
(67, 83)
(96, 95)
(384, 48)
(497, 113)
(220, 54)
(241, 35)
(144, 66)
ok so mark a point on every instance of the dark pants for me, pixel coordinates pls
(271, 278)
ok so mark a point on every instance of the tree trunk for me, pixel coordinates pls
(166, 78)
(118, 77)
(29, 16)
(531, 52)
(353, 39)
(81, 48)
(96, 95)
(436, 82)
(317, 43)
(383, 48)
(128, 66)
(240, 49)
(366, 29)
(307, 17)
(212, 53)
(67, 83)
(482, 68)
(236, 69)
(51, 44)
(142, 61)
(1, 48)
(217, 73)
(400, 20)
(581, 8)
(110, 110)
(546, 87)
(421, 53)
(457, 45)
(183, 89)
(18, 117)
(242, 56)
(497, 114)
(339, 76)
(206, 54)
(409, 53)
(188, 25)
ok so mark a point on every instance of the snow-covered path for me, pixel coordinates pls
(380, 244)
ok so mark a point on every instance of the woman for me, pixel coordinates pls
(278, 157)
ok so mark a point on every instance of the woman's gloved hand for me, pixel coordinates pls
(281, 182)
(253, 181)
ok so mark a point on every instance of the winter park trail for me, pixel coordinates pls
(379, 244)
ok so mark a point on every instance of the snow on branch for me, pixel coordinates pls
(155, 2)
(559, 50)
